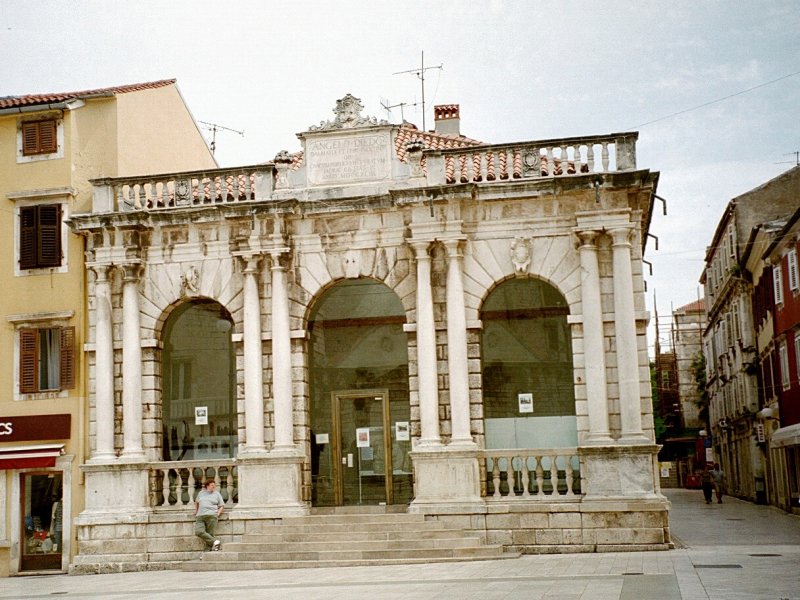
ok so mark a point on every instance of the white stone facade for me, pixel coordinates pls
(441, 229)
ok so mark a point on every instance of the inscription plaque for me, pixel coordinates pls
(348, 159)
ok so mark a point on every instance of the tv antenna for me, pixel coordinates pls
(388, 108)
(796, 160)
(214, 128)
(421, 74)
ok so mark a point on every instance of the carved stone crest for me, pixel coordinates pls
(348, 115)
(521, 254)
(190, 282)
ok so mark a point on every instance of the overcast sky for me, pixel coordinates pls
(520, 71)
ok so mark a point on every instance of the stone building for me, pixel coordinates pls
(729, 340)
(51, 145)
(388, 317)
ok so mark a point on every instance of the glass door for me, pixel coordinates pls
(362, 451)
(42, 521)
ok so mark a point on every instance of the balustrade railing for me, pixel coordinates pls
(175, 484)
(174, 190)
(530, 474)
(504, 162)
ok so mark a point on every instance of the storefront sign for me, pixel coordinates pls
(37, 427)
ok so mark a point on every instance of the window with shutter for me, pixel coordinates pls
(794, 277)
(39, 137)
(40, 236)
(28, 360)
(777, 280)
(47, 359)
(784, 358)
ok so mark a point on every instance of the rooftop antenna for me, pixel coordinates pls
(388, 108)
(213, 128)
(421, 74)
(796, 160)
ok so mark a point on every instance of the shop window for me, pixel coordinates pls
(199, 398)
(47, 359)
(528, 390)
(40, 236)
(39, 137)
(43, 521)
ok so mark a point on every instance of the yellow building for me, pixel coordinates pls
(51, 146)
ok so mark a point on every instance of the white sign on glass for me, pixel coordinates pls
(401, 431)
(525, 403)
(201, 415)
(362, 437)
(321, 438)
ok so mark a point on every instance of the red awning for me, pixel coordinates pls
(27, 457)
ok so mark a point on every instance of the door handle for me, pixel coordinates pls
(350, 460)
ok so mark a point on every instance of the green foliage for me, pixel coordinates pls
(699, 371)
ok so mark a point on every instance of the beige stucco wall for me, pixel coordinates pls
(160, 134)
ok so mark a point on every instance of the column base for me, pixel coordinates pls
(445, 480)
(270, 485)
(598, 439)
(115, 488)
(622, 472)
(634, 439)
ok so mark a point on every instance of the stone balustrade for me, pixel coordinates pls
(529, 474)
(175, 484)
(548, 158)
(175, 190)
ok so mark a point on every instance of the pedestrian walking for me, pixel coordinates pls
(707, 483)
(208, 506)
(719, 481)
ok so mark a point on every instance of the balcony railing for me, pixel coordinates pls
(528, 474)
(189, 189)
(548, 158)
(174, 485)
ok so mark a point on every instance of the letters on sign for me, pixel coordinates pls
(6, 428)
(34, 427)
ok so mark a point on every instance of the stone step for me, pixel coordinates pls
(290, 564)
(366, 526)
(350, 544)
(336, 518)
(353, 536)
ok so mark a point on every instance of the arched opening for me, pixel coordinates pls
(360, 417)
(528, 390)
(199, 375)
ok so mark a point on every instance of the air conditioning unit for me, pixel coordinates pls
(723, 423)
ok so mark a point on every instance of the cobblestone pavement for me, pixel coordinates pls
(728, 551)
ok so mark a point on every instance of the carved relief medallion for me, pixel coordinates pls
(521, 254)
(190, 282)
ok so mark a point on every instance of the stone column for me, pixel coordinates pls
(457, 347)
(281, 358)
(253, 367)
(131, 364)
(630, 402)
(593, 344)
(104, 367)
(426, 350)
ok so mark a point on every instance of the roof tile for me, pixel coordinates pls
(36, 99)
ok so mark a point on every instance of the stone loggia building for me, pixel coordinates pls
(387, 317)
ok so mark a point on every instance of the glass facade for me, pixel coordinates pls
(360, 418)
(199, 403)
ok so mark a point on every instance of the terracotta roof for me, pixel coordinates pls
(35, 99)
(430, 140)
(696, 306)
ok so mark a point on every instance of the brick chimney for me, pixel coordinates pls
(447, 118)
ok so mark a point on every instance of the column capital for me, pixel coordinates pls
(621, 235)
(453, 246)
(587, 237)
(131, 271)
(420, 248)
(101, 270)
(251, 262)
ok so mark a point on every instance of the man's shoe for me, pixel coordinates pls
(216, 545)
(719, 501)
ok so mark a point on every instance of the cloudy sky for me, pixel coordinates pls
(521, 70)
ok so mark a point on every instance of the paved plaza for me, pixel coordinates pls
(728, 551)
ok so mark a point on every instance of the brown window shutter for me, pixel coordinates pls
(39, 137)
(49, 250)
(27, 237)
(28, 360)
(67, 358)
(47, 137)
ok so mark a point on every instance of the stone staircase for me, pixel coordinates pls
(346, 539)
